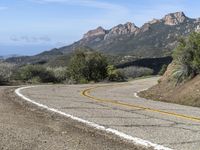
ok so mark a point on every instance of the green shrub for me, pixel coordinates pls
(114, 74)
(6, 71)
(60, 74)
(187, 57)
(35, 80)
(83, 81)
(163, 69)
(182, 73)
(134, 72)
(194, 42)
(87, 65)
(35, 73)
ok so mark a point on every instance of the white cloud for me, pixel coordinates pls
(30, 39)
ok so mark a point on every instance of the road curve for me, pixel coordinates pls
(116, 106)
(25, 127)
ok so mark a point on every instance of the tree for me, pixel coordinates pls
(35, 73)
(88, 65)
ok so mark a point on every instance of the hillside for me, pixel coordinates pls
(155, 38)
(185, 94)
(41, 58)
(181, 81)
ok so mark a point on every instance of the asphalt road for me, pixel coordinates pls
(25, 127)
(117, 106)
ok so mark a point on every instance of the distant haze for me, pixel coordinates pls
(23, 50)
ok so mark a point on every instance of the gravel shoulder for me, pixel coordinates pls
(23, 127)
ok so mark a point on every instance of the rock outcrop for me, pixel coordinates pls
(126, 29)
(96, 32)
(145, 27)
(174, 18)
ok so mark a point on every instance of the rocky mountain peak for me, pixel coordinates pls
(122, 29)
(96, 32)
(145, 27)
(174, 18)
(131, 27)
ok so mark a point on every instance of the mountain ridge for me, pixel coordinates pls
(156, 38)
(129, 30)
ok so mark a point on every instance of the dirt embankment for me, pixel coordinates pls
(166, 90)
(25, 127)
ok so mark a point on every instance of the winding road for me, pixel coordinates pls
(116, 109)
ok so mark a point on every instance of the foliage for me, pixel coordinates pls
(163, 69)
(87, 66)
(114, 74)
(60, 74)
(35, 74)
(182, 73)
(194, 41)
(134, 72)
(6, 71)
(187, 58)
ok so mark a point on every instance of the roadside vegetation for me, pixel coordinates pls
(87, 65)
(163, 69)
(135, 72)
(6, 72)
(35, 74)
(187, 58)
(84, 66)
(181, 81)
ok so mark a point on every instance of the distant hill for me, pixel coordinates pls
(41, 58)
(156, 38)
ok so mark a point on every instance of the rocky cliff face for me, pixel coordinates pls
(129, 28)
(174, 18)
(96, 32)
(120, 30)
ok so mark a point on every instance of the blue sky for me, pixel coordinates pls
(31, 26)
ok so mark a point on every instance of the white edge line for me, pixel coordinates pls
(136, 93)
(135, 140)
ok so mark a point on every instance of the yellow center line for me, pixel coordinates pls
(86, 93)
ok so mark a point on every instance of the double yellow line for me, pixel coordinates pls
(87, 92)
